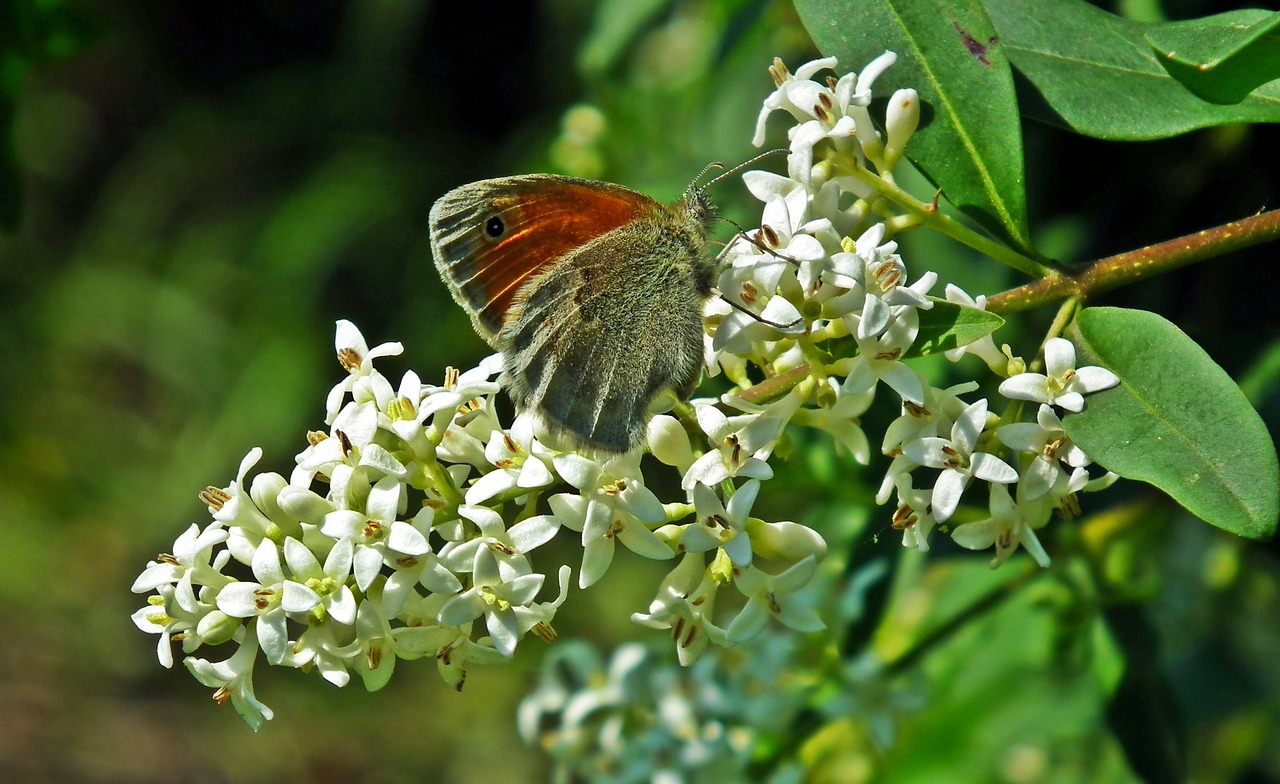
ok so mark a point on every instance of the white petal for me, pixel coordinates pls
(489, 485)
(237, 599)
(533, 532)
(1031, 543)
(946, 493)
(461, 609)
(534, 473)
(406, 539)
(273, 636)
(642, 541)
(978, 535)
(597, 555)
(1071, 401)
(524, 589)
(266, 563)
(298, 598)
(1023, 436)
(1026, 386)
(1059, 356)
(926, 451)
(302, 562)
(992, 469)
(504, 630)
(749, 622)
(1094, 379)
(903, 380)
(384, 499)
(968, 426)
(368, 564)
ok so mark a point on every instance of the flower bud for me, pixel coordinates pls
(902, 117)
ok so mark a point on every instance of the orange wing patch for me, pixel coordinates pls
(542, 217)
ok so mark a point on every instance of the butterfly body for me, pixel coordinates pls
(592, 292)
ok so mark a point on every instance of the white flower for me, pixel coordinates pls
(684, 605)
(958, 460)
(186, 583)
(328, 584)
(984, 347)
(376, 533)
(357, 358)
(837, 112)
(614, 505)
(720, 525)
(233, 680)
(537, 616)
(741, 446)
(268, 600)
(775, 594)
(320, 647)
(1048, 442)
(496, 598)
(883, 280)
(375, 660)
(1006, 529)
(243, 509)
(794, 94)
(914, 515)
(1062, 384)
(515, 466)
(509, 545)
(880, 359)
(443, 402)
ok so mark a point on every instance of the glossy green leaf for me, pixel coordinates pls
(1221, 58)
(1095, 73)
(1177, 421)
(948, 325)
(970, 141)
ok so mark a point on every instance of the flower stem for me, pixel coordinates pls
(929, 216)
(1132, 266)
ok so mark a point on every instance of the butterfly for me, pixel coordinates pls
(592, 292)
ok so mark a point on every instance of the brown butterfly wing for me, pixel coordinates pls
(490, 237)
(595, 339)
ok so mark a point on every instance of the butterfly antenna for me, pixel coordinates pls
(739, 167)
(713, 165)
(756, 316)
(756, 241)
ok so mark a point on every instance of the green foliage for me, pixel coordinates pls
(1176, 420)
(169, 304)
(1095, 73)
(1221, 58)
(969, 143)
(948, 325)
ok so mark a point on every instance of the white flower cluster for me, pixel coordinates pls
(415, 515)
(634, 720)
(815, 287)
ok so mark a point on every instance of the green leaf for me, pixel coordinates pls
(970, 141)
(1221, 58)
(1094, 73)
(1176, 420)
(948, 325)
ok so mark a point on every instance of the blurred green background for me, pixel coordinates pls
(195, 192)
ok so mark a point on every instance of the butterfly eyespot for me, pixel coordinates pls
(494, 227)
